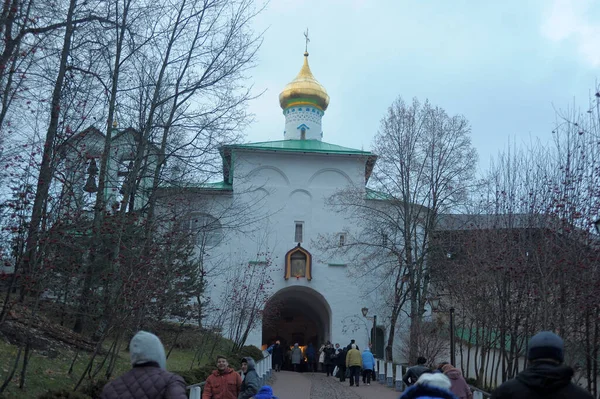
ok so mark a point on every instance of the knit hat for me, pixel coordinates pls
(546, 345)
(434, 380)
(447, 367)
(266, 392)
(146, 347)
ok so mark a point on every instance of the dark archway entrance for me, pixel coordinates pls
(379, 342)
(296, 315)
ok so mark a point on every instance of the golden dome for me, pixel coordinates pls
(304, 89)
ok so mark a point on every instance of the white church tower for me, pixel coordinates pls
(304, 101)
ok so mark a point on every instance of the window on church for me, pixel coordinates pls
(342, 239)
(298, 232)
(298, 264)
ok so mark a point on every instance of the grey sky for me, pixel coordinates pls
(502, 64)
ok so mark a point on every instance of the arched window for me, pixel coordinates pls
(206, 228)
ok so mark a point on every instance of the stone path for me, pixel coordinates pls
(289, 385)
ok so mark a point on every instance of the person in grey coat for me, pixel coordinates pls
(148, 378)
(251, 383)
(296, 357)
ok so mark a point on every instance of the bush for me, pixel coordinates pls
(63, 394)
(196, 375)
(252, 351)
(94, 389)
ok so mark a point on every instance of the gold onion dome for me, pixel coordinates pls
(304, 90)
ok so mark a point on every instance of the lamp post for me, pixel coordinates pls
(365, 311)
(435, 307)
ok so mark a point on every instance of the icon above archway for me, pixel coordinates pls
(298, 262)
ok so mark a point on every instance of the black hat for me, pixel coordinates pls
(546, 345)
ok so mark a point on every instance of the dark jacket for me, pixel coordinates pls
(329, 355)
(426, 392)
(340, 359)
(311, 353)
(277, 355)
(542, 380)
(251, 383)
(413, 374)
(146, 381)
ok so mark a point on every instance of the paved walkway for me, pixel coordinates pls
(289, 385)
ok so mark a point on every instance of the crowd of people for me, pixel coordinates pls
(545, 377)
(333, 360)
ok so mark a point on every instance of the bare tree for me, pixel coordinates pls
(425, 165)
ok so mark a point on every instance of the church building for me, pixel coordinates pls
(280, 189)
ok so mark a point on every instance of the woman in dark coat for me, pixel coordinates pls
(277, 356)
(329, 358)
(341, 363)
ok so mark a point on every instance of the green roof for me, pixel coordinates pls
(377, 195)
(313, 146)
(478, 336)
(220, 186)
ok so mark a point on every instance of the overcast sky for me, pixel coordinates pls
(502, 64)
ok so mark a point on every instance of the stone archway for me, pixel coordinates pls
(296, 315)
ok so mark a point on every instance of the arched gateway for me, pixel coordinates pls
(296, 314)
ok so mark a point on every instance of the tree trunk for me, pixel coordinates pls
(47, 167)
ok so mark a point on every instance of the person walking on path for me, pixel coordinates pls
(265, 392)
(352, 342)
(223, 383)
(148, 379)
(459, 387)
(311, 357)
(368, 364)
(341, 363)
(296, 357)
(546, 377)
(413, 373)
(329, 359)
(354, 362)
(277, 356)
(322, 358)
(251, 382)
(430, 386)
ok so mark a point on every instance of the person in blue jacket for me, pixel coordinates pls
(368, 361)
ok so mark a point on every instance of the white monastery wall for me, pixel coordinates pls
(294, 188)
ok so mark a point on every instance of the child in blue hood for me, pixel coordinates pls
(266, 392)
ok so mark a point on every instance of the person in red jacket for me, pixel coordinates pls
(148, 379)
(223, 383)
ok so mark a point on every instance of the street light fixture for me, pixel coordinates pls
(365, 312)
(435, 307)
